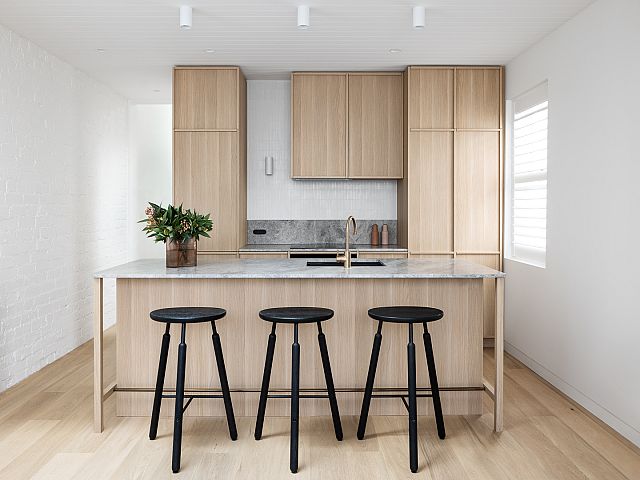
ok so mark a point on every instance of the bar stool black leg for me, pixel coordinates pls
(224, 383)
(157, 398)
(413, 414)
(371, 376)
(433, 379)
(326, 365)
(266, 376)
(177, 420)
(295, 400)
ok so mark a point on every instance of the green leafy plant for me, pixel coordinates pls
(174, 223)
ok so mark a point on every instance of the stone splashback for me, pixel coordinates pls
(313, 231)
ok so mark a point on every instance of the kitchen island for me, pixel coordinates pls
(244, 287)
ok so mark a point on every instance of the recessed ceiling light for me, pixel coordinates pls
(209, 50)
(394, 50)
(303, 17)
(419, 17)
(186, 17)
(100, 50)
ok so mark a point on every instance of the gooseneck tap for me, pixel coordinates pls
(346, 257)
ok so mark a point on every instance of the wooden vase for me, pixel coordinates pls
(181, 253)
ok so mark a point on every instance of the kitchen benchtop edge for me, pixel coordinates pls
(297, 268)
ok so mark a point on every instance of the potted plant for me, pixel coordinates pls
(179, 229)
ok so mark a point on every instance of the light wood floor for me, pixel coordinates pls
(46, 433)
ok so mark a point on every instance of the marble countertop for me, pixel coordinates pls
(297, 268)
(319, 247)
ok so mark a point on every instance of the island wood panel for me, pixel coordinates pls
(478, 98)
(477, 192)
(491, 261)
(205, 98)
(207, 179)
(319, 125)
(375, 125)
(457, 340)
(430, 191)
(430, 98)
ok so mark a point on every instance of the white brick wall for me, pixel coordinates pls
(63, 203)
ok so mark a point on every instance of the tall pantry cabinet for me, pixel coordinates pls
(450, 200)
(209, 151)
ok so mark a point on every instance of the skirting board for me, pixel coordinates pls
(620, 426)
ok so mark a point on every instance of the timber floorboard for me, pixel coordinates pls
(46, 433)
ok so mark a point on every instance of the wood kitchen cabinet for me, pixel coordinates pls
(375, 125)
(319, 125)
(205, 98)
(347, 125)
(450, 201)
(477, 187)
(209, 152)
(478, 98)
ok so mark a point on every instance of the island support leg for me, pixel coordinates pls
(98, 395)
(498, 405)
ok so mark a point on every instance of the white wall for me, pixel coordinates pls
(150, 158)
(277, 197)
(577, 322)
(63, 203)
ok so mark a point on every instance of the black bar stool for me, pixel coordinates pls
(409, 316)
(296, 316)
(184, 315)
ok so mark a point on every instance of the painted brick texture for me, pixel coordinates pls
(63, 203)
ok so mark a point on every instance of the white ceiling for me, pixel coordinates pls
(142, 40)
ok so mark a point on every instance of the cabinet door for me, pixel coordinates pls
(430, 181)
(477, 187)
(206, 178)
(478, 99)
(430, 98)
(319, 130)
(205, 99)
(375, 126)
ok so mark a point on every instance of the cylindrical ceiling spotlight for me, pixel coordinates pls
(303, 17)
(186, 17)
(419, 17)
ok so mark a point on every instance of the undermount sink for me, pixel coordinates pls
(354, 263)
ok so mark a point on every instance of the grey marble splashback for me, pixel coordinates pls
(313, 231)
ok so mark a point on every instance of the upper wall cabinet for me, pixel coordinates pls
(375, 125)
(478, 98)
(346, 125)
(431, 98)
(205, 99)
(319, 125)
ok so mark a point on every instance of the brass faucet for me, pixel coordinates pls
(346, 257)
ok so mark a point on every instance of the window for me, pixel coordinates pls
(529, 177)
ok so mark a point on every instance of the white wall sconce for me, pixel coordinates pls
(303, 17)
(186, 17)
(268, 165)
(419, 17)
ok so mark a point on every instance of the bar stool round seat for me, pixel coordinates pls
(187, 314)
(296, 314)
(184, 316)
(406, 314)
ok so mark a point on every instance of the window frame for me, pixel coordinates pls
(519, 253)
